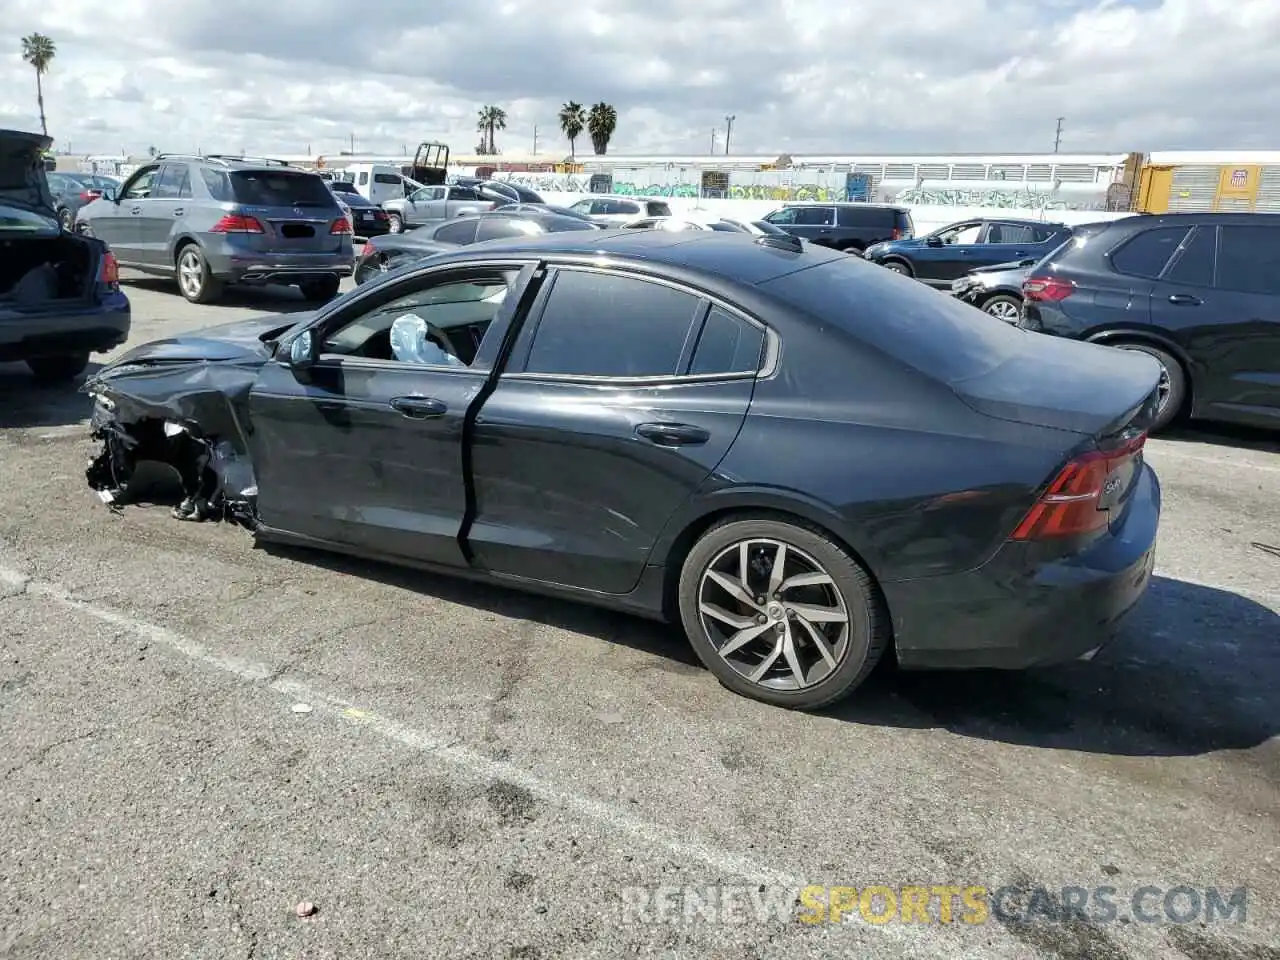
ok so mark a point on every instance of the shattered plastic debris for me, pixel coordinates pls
(305, 909)
(301, 708)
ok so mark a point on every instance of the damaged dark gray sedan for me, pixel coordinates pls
(802, 458)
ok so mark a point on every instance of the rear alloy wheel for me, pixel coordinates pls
(58, 369)
(1172, 387)
(780, 612)
(194, 280)
(395, 224)
(897, 266)
(1003, 307)
(321, 291)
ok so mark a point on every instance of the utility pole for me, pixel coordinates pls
(1057, 137)
(728, 130)
(353, 143)
(713, 139)
(535, 139)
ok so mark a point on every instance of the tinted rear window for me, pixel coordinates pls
(854, 216)
(936, 334)
(271, 188)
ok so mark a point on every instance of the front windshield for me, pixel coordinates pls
(17, 217)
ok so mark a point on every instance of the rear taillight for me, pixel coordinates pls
(379, 214)
(368, 250)
(340, 226)
(896, 235)
(89, 195)
(1051, 289)
(1072, 504)
(109, 274)
(237, 223)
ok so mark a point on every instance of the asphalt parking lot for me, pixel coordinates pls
(484, 774)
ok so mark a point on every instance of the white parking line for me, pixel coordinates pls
(1163, 451)
(726, 862)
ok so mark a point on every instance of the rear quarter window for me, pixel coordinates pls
(867, 217)
(216, 182)
(936, 334)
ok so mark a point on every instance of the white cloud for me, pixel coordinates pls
(799, 75)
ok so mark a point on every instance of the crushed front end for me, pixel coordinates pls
(185, 415)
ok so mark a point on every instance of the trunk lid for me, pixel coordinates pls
(22, 174)
(296, 210)
(1066, 385)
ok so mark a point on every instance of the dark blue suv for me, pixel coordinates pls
(942, 256)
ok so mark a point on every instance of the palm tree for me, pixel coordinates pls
(491, 119)
(39, 51)
(602, 121)
(573, 120)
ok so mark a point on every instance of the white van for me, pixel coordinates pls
(377, 182)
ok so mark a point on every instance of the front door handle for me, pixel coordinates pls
(1185, 299)
(179, 212)
(136, 210)
(672, 434)
(419, 408)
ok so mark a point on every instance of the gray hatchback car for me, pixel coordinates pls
(211, 221)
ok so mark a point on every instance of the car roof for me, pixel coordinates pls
(1176, 219)
(738, 257)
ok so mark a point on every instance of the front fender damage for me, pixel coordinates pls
(191, 417)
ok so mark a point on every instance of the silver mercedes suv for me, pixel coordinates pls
(215, 220)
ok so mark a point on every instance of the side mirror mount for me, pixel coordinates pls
(934, 241)
(109, 193)
(302, 354)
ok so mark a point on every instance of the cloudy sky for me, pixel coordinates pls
(801, 76)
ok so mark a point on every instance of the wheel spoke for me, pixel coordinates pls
(734, 589)
(767, 663)
(793, 659)
(743, 637)
(817, 579)
(724, 616)
(779, 569)
(819, 641)
(815, 614)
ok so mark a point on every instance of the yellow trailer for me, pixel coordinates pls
(1201, 181)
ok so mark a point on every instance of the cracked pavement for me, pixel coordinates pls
(482, 773)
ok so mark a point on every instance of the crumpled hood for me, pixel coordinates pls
(22, 175)
(240, 340)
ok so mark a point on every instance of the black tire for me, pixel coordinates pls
(191, 271)
(898, 266)
(1003, 306)
(395, 223)
(868, 629)
(58, 369)
(321, 291)
(1173, 383)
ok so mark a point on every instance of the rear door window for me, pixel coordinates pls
(656, 208)
(607, 325)
(273, 188)
(1249, 259)
(815, 216)
(1193, 265)
(1010, 233)
(1146, 254)
(497, 228)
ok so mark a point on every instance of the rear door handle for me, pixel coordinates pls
(1185, 299)
(672, 434)
(136, 210)
(179, 212)
(419, 408)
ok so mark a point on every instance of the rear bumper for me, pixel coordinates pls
(92, 330)
(1012, 613)
(238, 265)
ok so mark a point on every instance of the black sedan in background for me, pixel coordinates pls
(367, 218)
(401, 248)
(691, 426)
